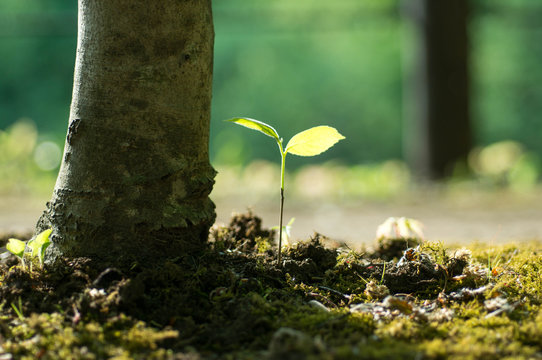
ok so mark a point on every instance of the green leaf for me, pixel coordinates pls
(40, 243)
(313, 141)
(16, 247)
(42, 249)
(256, 125)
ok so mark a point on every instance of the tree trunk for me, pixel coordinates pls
(135, 176)
(438, 130)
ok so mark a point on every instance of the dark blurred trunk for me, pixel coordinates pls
(438, 131)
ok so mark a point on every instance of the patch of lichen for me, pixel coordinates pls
(235, 301)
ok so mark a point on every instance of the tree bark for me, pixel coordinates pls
(135, 176)
(438, 130)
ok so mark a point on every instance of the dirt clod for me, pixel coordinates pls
(244, 233)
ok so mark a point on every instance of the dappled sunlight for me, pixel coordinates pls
(47, 155)
(258, 180)
(384, 180)
(315, 182)
(349, 202)
(261, 179)
(26, 166)
(19, 140)
(27, 174)
(506, 164)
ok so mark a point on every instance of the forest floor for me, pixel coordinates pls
(323, 301)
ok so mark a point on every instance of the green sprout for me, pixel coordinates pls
(37, 247)
(17, 247)
(18, 309)
(309, 142)
(286, 231)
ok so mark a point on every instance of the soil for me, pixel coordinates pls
(235, 301)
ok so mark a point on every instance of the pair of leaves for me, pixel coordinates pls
(309, 142)
(37, 246)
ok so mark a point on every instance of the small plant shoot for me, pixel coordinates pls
(39, 244)
(286, 231)
(37, 247)
(309, 142)
(17, 247)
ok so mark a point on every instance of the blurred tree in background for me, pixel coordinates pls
(438, 127)
(296, 65)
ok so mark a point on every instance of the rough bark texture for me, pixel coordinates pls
(438, 133)
(135, 177)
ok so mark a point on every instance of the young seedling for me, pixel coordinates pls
(17, 247)
(37, 247)
(39, 244)
(286, 231)
(310, 142)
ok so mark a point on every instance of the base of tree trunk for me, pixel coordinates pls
(124, 240)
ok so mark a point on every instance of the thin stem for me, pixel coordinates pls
(282, 167)
(280, 223)
(282, 163)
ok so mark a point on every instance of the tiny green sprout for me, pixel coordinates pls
(286, 231)
(18, 309)
(37, 247)
(309, 142)
(16, 247)
(39, 244)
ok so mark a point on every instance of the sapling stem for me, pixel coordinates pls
(280, 223)
(282, 171)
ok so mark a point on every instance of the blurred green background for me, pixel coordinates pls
(293, 64)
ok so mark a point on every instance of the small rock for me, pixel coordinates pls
(318, 305)
(376, 291)
(394, 303)
(441, 315)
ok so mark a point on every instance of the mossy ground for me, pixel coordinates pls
(233, 301)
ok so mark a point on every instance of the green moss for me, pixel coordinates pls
(234, 302)
(330, 326)
(53, 336)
